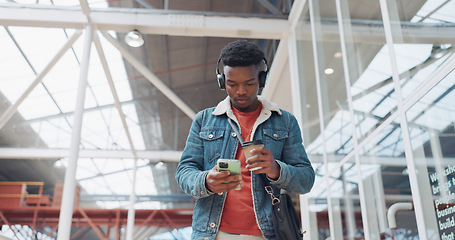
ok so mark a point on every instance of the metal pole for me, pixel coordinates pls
(418, 175)
(131, 210)
(345, 39)
(322, 106)
(69, 186)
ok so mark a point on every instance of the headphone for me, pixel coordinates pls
(262, 77)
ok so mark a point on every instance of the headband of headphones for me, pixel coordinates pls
(221, 78)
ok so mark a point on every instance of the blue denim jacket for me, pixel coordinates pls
(211, 138)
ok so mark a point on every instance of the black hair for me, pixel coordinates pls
(241, 53)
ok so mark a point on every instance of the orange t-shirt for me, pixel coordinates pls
(238, 213)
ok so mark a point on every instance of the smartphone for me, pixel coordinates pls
(231, 165)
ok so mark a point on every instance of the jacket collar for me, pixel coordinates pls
(225, 106)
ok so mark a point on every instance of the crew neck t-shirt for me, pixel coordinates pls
(238, 215)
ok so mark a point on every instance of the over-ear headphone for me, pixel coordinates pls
(262, 77)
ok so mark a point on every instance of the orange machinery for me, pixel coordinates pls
(37, 211)
(15, 194)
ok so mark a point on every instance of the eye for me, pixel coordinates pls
(251, 83)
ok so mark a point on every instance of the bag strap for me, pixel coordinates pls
(269, 190)
(236, 132)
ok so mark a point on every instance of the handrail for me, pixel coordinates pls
(24, 195)
(391, 217)
(394, 209)
(20, 183)
(14, 195)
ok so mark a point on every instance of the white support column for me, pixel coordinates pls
(309, 218)
(348, 207)
(322, 106)
(345, 39)
(66, 209)
(420, 187)
(380, 200)
(295, 80)
(338, 224)
(370, 205)
(131, 209)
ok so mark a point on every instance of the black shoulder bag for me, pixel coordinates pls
(286, 223)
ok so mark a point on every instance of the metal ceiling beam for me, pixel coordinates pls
(181, 23)
(365, 33)
(41, 153)
(87, 110)
(148, 21)
(270, 7)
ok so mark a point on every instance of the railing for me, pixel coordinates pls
(16, 192)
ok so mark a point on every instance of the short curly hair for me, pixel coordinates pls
(241, 53)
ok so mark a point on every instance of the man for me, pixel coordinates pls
(220, 212)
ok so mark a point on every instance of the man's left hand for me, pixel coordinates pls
(263, 161)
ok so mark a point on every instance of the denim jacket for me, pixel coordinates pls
(211, 138)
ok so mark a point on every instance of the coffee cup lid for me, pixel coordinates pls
(252, 143)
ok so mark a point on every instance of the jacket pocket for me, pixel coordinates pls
(213, 140)
(274, 141)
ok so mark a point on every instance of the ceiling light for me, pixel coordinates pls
(134, 38)
(337, 55)
(439, 50)
(329, 71)
(160, 166)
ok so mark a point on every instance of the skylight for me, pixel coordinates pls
(49, 108)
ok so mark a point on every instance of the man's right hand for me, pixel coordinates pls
(218, 182)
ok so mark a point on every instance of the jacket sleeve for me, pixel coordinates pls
(190, 174)
(296, 174)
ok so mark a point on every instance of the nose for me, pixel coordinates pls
(241, 89)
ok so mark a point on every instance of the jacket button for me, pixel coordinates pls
(275, 135)
(233, 134)
(210, 136)
(212, 225)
